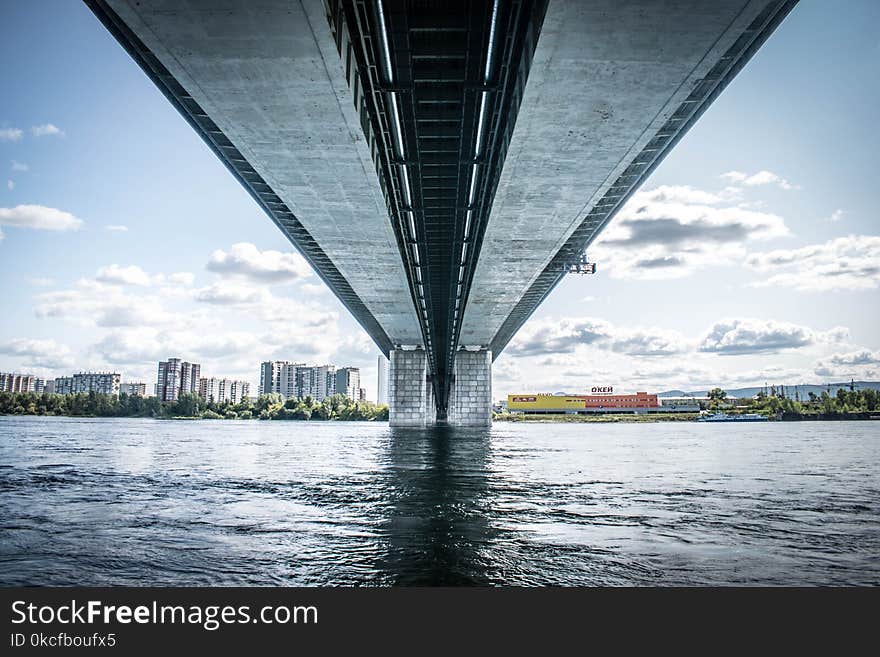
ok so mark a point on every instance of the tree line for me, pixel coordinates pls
(843, 403)
(266, 407)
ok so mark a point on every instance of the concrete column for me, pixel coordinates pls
(430, 406)
(406, 388)
(470, 403)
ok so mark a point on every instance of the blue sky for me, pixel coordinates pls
(139, 260)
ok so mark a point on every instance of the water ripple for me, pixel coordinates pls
(140, 502)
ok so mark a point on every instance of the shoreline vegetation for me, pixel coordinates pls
(595, 417)
(190, 407)
(845, 405)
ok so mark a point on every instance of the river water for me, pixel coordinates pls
(144, 502)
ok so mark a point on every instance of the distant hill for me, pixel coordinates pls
(803, 390)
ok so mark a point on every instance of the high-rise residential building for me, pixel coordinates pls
(382, 388)
(221, 391)
(239, 391)
(270, 376)
(49, 388)
(209, 389)
(176, 377)
(298, 380)
(288, 386)
(190, 375)
(40, 386)
(316, 381)
(133, 389)
(328, 374)
(362, 394)
(348, 382)
(15, 382)
(279, 376)
(106, 383)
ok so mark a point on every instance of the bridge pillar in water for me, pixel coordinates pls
(430, 405)
(408, 389)
(470, 402)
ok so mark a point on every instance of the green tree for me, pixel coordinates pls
(188, 405)
(717, 395)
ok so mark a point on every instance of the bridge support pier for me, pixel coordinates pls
(430, 404)
(407, 388)
(411, 396)
(470, 402)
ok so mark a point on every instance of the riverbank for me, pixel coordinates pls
(602, 418)
(189, 406)
(632, 418)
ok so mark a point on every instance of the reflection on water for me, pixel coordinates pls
(437, 525)
(96, 502)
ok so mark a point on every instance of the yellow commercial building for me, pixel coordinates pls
(639, 402)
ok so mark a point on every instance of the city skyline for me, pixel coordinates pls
(711, 275)
(176, 376)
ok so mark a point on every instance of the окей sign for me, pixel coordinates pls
(602, 389)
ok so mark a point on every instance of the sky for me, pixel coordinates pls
(751, 255)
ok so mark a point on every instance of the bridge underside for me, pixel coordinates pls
(440, 164)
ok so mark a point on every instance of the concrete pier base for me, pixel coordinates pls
(407, 389)
(430, 405)
(470, 401)
(411, 400)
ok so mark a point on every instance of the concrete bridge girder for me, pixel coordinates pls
(579, 101)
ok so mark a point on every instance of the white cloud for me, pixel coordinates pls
(862, 357)
(39, 353)
(184, 278)
(133, 346)
(94, 303)
(130, 275)
(763, 177)
(19, 166)
(10, 185)
(38, 217)
(670, 232)
(860, 364)
(281, 310)
(844, 263)
(116, 228)
(148, 344)
(136, 318)
(507, 369)
(565, 354)
(313, 289)
(246, 260)
(761, 336)
(648, 342)
(837, 215)
(571, 354)
(354, 348)
(10, 134)
(265, 306)
(227, 344)
(134, 275)
(684, 194)
(41, 282)
(564, 335)
(232, 294)
(45, 130)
